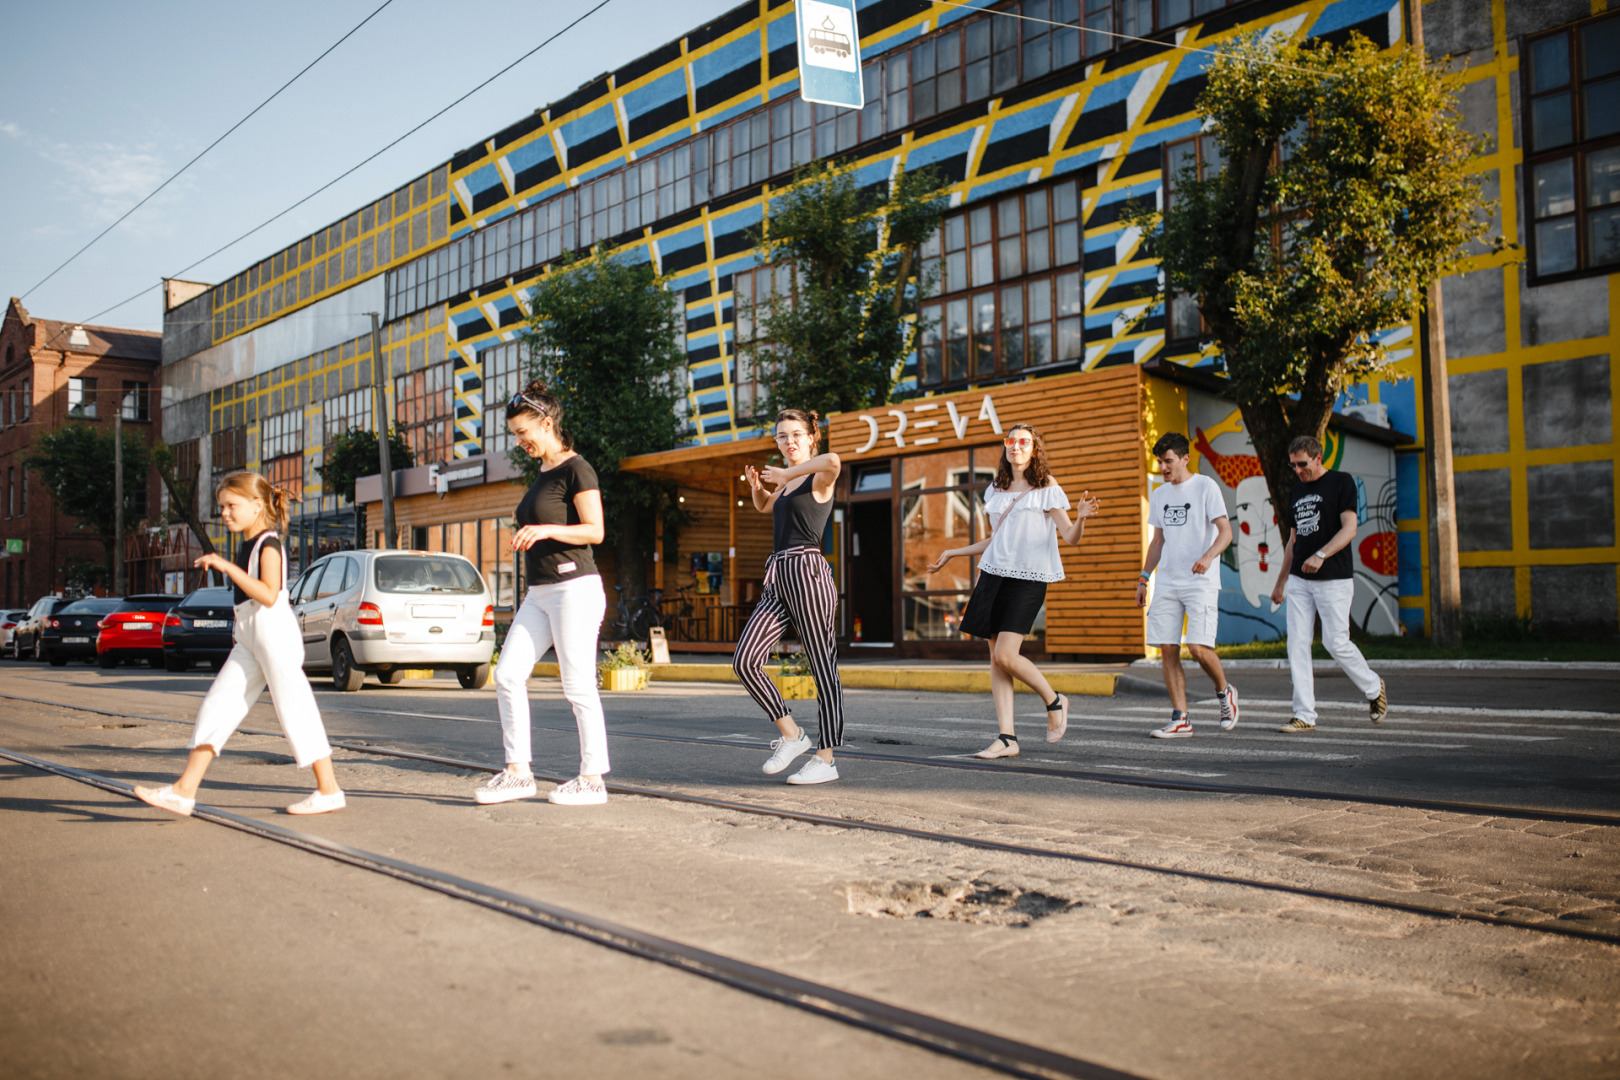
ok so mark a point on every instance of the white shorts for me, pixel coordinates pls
(1198, 604)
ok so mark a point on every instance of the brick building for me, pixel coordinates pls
(55, 372)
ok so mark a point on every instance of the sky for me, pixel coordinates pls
(100, 102)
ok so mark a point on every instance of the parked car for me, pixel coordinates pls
(199, 628)
(25, 639)
(134, 631)
(389, 611)
(8, 627)
(70, 632)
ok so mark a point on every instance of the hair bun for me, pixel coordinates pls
(537, 388)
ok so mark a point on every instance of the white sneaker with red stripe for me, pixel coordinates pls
(1179, 727)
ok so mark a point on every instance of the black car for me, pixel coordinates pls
(70, 632)
(200, 628)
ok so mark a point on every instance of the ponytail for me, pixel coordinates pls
(251, 485)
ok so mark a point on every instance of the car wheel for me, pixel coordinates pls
(56, 661)
(345, 676)
(39, 649)
(174, 664)
(473, 677)
(106, 660)
(391, 678)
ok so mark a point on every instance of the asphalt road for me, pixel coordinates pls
(119, 963)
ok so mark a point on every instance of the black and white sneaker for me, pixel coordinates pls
(504, 786)
(1378, 707)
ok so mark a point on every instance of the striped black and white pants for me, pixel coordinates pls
(798, 589)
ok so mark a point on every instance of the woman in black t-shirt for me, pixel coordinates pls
(559, 518)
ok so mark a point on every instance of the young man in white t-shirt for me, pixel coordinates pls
(1190, 530)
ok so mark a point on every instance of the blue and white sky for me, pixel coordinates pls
(100, 101)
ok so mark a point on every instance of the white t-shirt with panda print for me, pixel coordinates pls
(1186, 513)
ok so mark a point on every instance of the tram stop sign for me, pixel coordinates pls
(829, 53)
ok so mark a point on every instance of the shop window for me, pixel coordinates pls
(940, 508)
(1572, 120)
(81, 398)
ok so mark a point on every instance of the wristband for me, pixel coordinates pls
(1143, 578)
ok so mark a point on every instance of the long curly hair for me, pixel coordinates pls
(1035, 472)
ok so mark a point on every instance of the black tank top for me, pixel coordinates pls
(797, 519)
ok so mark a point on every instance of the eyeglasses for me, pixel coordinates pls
(1299, 464)
(1013, 444)
(520, 400)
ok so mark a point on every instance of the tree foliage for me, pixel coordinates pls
(354, 454)
(1345, 192)
(838, 343)
(604, 335)
(76, 464)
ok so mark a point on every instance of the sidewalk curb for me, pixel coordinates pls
(1090, 683)
(1409, 665)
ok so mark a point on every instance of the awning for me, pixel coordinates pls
(707, 468)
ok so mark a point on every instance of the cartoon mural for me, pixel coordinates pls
(1222, 450)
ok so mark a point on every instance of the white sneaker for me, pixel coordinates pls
(815, 771)
(785, 750)
(1229, 707)
(1179, 727)
(165, 798)
(317, 803)
(579, 792)
(504, 786)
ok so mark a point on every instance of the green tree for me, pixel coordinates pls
(182, 491)
(76, 464)
(1345, 192)
(603, 334)
(839, 340)
(354, 454)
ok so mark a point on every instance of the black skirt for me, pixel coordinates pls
(1001, 605)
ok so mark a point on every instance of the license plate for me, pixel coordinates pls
(435, 611)
(75, 641)
(211, 624)
(137, 626)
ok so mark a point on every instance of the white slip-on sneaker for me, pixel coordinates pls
(1229, 707)
(165, 798)
(815, 771)
(784, 751)
(1004, 746)
(504, 786)
(317, 803)
(579, 792)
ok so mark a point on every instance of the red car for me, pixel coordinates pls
(134, 631)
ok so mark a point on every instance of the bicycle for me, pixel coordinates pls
(633, 619)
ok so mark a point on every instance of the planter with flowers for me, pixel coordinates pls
(625, 668)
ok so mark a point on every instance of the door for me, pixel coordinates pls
(302, 597)
(869, 523)
(320, 608)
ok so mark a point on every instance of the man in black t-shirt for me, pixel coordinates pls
(1318, 578)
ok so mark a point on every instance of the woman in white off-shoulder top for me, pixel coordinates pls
(1028, 512)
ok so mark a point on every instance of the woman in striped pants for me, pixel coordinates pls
(798, 587)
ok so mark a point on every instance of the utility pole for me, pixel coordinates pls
(379, 376)
(118, 497)
(1445, 577)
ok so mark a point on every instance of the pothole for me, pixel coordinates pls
(100, 727)
(976, 901)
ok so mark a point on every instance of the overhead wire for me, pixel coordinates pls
(365, 161)
(177, 174)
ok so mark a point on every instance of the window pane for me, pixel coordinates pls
(922, 61)
(1065, 201)
(1603, 237)
(955, 233)
(1184, 320)
(1603, 177)
(978, 80)
(984, 312)
(983, 265)
(1012, 307)
(1011, 257)
(1040, 300)
(1068, 294)
(1068, 243)
(929, 319)
(1040, 344)
(1602, 112)
(1174, 11)
(956, 360)
(955, 272)
(1035, 210)
(1136, 17)
(1070, 344)
(1550, 121)
(956, 319)
(1600, 44)
(922, 99)
(1555, 246)
(1037, 244)
(1549, 63)
(978, 40)
(1555, 188)
(1037, 57)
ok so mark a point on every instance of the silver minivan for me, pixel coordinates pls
(390, 611)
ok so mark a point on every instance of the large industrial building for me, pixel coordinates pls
(1046, 127)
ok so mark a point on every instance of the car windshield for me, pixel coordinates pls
(426, 574)
(149, 603)
(206, 598)
(96, 605)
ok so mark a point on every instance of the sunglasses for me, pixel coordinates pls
(520, 400)
(1013, 444)
(1299, 465)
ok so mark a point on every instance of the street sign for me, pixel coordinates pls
(16, 546)
(829, 53)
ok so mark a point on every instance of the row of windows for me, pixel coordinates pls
(17, 404)
(1016, 235)
(136, 400)
(424, 410)
(1000, 331)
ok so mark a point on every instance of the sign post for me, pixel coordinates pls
(829, 53)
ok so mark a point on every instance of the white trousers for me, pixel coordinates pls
(566, 616)
(1331, 600)
(269, 652)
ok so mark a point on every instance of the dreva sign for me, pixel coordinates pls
(924, 417)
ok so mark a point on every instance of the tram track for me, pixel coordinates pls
(1546, 926)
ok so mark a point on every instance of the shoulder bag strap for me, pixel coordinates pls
(1010, 509)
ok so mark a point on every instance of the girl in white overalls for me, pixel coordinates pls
(269, 651)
